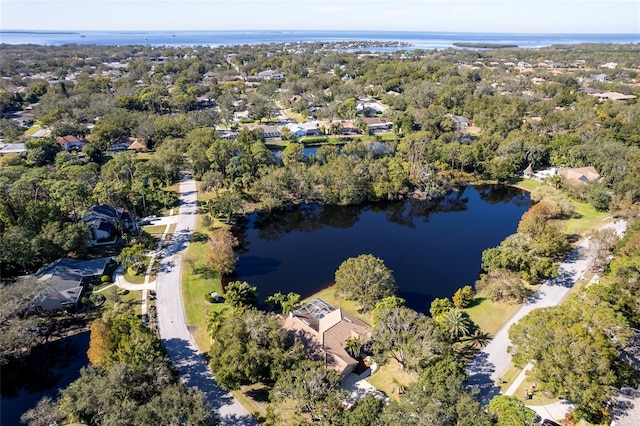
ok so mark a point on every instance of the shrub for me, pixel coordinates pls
(462, 297)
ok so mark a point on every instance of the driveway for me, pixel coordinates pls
(176, 338)
(491, 363)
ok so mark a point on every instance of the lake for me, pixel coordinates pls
(47, 369)
(433, 247)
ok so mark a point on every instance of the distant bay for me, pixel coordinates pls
(418, 40)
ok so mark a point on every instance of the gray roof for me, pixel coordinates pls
(66, 278)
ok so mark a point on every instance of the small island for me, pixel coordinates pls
(485, 45)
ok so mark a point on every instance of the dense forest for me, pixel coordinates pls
(235, 117)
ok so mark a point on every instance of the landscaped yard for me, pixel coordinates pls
(133, 278)
(589, 219)
(389, 377)
(491, 316)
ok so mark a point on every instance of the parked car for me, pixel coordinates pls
(547, 422)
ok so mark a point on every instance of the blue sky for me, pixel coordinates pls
(522, 16)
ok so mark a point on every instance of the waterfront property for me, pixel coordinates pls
(324, 331)
(67, 281)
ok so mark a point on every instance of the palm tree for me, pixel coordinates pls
(353, 346)
(458, 323)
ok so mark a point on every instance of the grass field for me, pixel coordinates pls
(389, 377)
(589, 219)
(197, 284)
(134, 278)
(490, 316)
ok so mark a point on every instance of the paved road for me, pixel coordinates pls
(491, 363)
(175, 335)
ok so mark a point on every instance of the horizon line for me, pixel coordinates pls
(62, 31)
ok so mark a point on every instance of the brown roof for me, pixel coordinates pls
(69, 139)
(138, 144)
(529, 170)
(580, 174)
(326, 336)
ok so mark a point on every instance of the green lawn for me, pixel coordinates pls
(491, 316)
(134, 278)
(589, 219)
(134, 299)
(155, 230)
(527, 184)
(387, 378)
(196, 285)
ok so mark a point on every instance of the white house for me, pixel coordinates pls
(300, 130)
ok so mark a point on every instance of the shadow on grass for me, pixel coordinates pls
(199, 237)
(258, 395)
(476, 301)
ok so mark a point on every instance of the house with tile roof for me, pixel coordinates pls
(580, 174)
(324, 330)
(71, 143)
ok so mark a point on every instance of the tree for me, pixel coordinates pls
(463, 297)
(407, 336)
(365, 412)
(240, 295)
(101, 343)
(354, 346)
(314, 388)
(440, 306)
(45, 413)
(134, 257)
(439, 398)
(226, 205)
(511, 411)
(287, 302)
(220, 254)
(385, 304)
(17, 330)
(573, 349)
(250, 347)
(364, 279)
(502, 285)
(457, 324)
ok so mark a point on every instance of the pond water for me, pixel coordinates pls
(42, 373)
(433, 247)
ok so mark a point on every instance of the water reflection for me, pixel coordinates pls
(433, 246)
(43, 372)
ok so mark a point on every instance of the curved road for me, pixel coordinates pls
(491, 363)
(175, 335)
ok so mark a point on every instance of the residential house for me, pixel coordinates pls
(12, 148)
(324, 330)
(270, 75)
(71, 143)
(271, 133)
(602, 78)
(137, 145)
(67, 281)
(461, 122)
(103, 221)
(580, 174)
(610, 65)
(378, 124)
(613, 96)
(300, 130)
(528, 172)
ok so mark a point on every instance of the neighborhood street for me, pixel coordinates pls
(490, 364)
(175, 335)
